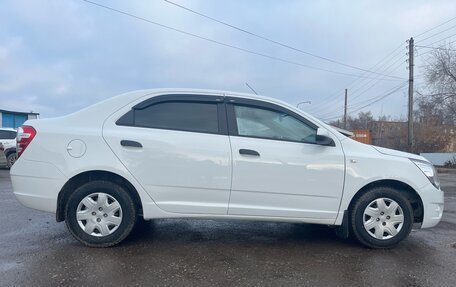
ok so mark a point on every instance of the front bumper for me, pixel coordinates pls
(433, 203)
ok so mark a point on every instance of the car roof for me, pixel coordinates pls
(98, 112)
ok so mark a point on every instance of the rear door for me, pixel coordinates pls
(177, 147)
(278, 169)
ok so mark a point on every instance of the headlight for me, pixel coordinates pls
(429, 171)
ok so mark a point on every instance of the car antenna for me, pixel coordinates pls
(247, 84)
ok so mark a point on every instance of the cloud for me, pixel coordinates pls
(62, 56)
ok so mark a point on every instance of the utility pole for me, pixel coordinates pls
(410, 140)
(345, 110)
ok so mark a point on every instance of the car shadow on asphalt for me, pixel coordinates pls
(231, 232)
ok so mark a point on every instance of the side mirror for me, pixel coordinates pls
(323, 138)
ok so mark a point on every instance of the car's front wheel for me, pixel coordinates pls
(100, 214)
(381, 218)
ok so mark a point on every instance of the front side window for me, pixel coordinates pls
(270, 124)
(184, 116)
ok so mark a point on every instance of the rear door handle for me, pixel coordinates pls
(248, 152)
(129, 143)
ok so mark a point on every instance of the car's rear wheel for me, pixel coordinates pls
(100, 214)
(381, 218)
(10, 160)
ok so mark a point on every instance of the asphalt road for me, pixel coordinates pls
(37, 251)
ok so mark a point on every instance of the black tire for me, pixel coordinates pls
(10, 159)
(119, 193)
(357, 217)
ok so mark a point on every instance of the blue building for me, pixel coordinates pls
(11, 119)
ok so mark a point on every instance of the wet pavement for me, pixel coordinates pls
(37, 251)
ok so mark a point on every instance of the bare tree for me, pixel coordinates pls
(430, 131)
(439, 98)
(436, 113)
(363, 121)
(431, 134)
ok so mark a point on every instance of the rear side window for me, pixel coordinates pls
(183, 116)
(7, 135)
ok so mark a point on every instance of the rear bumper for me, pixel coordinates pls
(433, 203)
(37, 184)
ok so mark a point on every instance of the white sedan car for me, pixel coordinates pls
(211, 154)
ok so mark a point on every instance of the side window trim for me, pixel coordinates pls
(231, 119)
(232, 123)
(178, 98)
(128, 118)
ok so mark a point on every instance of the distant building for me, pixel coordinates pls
(12, 119)
(363, 136)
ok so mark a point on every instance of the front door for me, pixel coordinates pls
(278, 169)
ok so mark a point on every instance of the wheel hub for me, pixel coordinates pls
(99, 214)
(383, 218)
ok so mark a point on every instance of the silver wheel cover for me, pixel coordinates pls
(383, 218)
(99, 214)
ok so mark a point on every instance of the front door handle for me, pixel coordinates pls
(129, 143)
(249, 152)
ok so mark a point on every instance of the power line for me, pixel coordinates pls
(429, 51)
(228, 45)
(435, 48)
(441, 40)
(438, 33)
(388, 58)
(433, 28)
(274, 41)
(355, 91)
(358, 104)
(431, 36)
(355, 105)
(358, 94)
(381, 64)
(379, 98)
(449, 43)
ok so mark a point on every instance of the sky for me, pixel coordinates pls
(58, 56)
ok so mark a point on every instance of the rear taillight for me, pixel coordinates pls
(25, 135)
